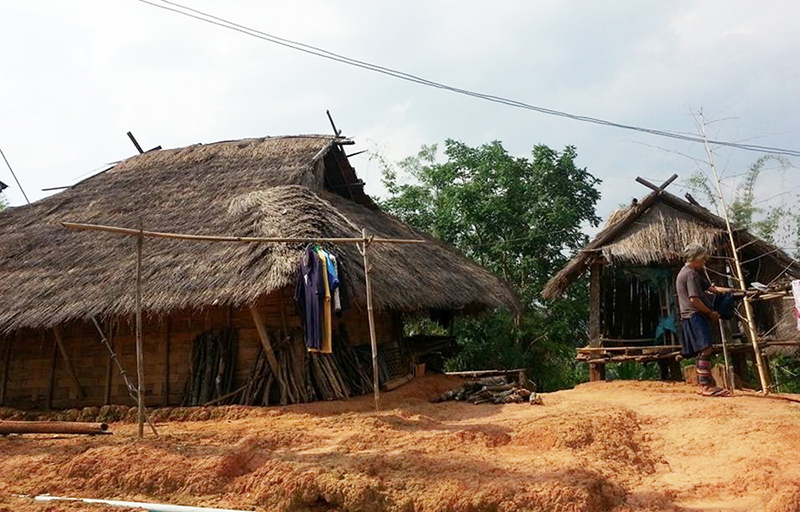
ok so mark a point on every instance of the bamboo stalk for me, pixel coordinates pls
(748, 309)
(139, 343)
(372, 340)
(215, 238)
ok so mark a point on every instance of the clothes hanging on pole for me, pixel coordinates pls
(327, 320)
(333, 272)
(310, 296)
(319, 293)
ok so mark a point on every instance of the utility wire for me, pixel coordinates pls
(320, 52)
(15, 177)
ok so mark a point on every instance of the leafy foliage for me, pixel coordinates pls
(519, 217)
(778, 223)
(3, 202)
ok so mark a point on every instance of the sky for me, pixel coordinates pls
(76, 76)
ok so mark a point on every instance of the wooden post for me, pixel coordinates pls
(52, 382)
(109, 372)
(167, 341)
(139, 342)
(6, 367)
(372, 339)
(596, 371)
(763, 371)
(72, 375)
(265, 341)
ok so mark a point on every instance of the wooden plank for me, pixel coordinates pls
(167, 342)
(70, 369)
(485, 373)
(51, 384)
(6, 367)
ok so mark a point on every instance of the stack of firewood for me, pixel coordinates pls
(491, 390)
(302, 376)
(211, 372)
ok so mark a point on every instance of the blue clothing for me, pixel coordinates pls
(696, 335)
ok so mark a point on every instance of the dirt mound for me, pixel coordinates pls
(620, 446)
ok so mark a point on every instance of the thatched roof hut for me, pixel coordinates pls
(655, 230)
(632, 264)
(294, 186)
(3, 186)
(273, 186)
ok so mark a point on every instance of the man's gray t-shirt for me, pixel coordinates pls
(690, 284)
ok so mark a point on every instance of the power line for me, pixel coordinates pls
(325, 54)
(15, 177)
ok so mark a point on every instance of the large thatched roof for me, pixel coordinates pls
(656, 230)
(278, 186)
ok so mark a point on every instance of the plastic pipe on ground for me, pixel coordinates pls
(152, 507)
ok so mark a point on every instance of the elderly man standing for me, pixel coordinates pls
(697, 310)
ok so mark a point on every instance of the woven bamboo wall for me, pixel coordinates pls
(29, 385)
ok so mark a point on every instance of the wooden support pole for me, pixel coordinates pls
(139, 341)
(372, 338)
(265, 341)
(167, 342)
(6, 367)
(70, 369)
(596, 371)
(52, 382)
(763, 371)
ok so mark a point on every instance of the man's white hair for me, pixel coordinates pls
(693, 251)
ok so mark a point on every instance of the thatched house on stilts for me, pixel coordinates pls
(208, 306)
(632, 265)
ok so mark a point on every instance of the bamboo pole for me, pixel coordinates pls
(113, 357)
(214, 238)
(52, 427)
(372, 340)
(748, 309)
(139, 343)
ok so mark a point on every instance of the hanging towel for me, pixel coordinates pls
(327, 316)
(333, 273)
(796, 295)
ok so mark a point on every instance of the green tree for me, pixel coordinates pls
(774, 221)
(522, 218)
(3, 202)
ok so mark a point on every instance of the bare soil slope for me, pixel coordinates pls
(619, 446)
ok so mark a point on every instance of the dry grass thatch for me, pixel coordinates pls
(655, 231)
(660, 235)
(256, 187)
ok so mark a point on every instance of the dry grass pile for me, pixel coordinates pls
(614, 446)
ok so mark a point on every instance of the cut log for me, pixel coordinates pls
(52, 427)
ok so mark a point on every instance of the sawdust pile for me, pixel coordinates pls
(619, 446)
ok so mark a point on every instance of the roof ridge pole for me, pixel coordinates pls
(372, 340)
(763, 376)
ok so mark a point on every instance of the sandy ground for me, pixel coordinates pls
(620, 446)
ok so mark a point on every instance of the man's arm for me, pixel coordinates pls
(720, 289)
(701, 307)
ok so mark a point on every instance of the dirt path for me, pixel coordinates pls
(610, 446)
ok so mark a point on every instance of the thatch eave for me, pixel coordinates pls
(275, 186)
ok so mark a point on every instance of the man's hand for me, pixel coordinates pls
(714, 316)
